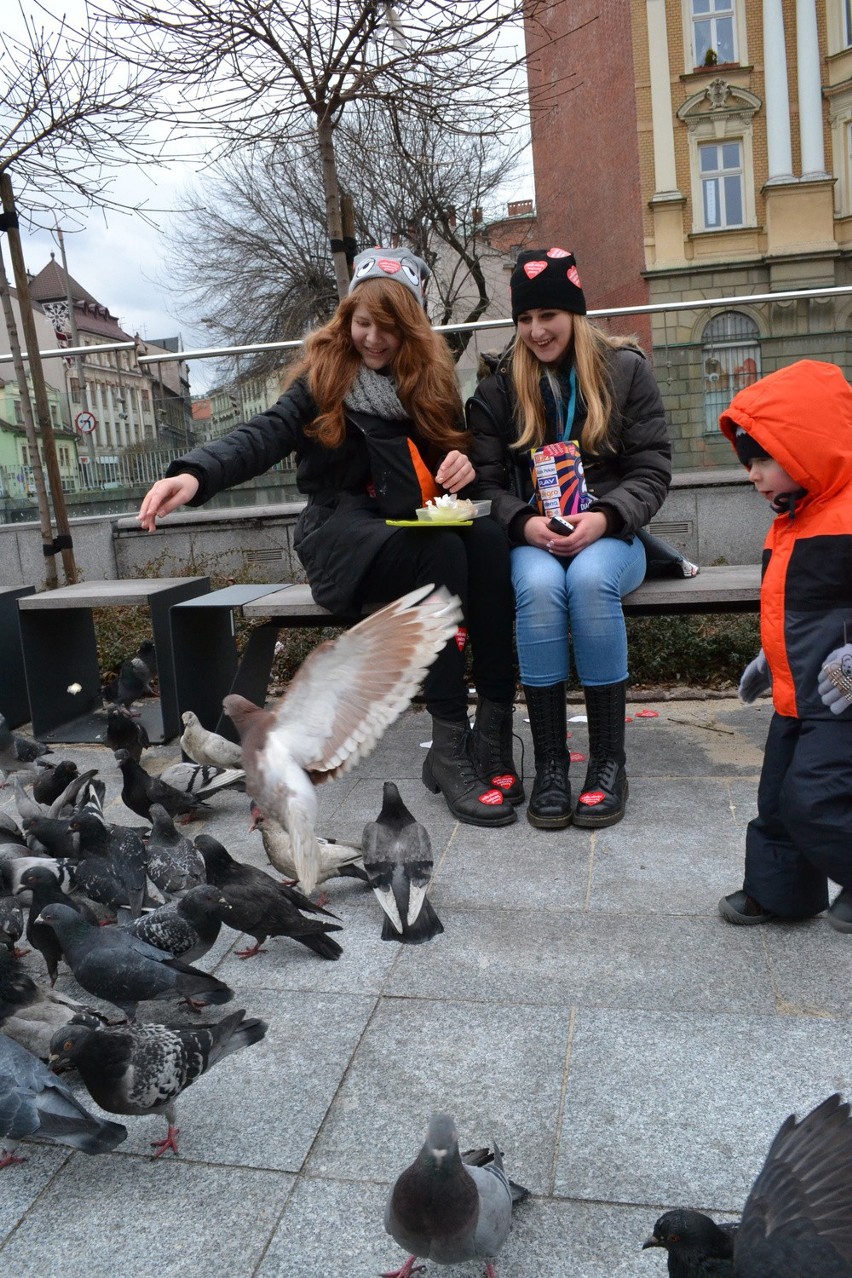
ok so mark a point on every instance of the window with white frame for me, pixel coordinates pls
(714, 27)
(721, 174)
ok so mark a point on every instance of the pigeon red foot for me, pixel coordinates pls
(168, 1142)
(250, 952)
(407, 1269)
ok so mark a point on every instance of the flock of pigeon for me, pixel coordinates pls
(131, 908)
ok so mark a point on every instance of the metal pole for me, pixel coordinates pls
(78, 359)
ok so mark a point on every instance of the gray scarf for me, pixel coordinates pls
(373, 393)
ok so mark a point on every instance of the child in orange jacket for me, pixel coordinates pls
(793, 431)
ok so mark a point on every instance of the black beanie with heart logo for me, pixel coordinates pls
(546, 279)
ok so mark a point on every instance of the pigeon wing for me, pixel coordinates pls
(799, 1210)
(350, 689)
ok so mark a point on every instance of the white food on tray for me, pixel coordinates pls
(452, 509)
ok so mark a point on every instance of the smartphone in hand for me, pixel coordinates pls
(559, 525)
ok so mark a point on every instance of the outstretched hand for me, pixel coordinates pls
(455, 472)
(164, 497)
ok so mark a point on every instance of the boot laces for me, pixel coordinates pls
(602, 774)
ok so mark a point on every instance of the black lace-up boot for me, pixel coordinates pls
(491, 747)
(604, 792)
(448, 769)
(550, 802)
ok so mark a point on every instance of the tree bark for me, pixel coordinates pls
(39, 386)
(333, 214)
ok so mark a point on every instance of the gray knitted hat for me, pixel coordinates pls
(391, 264)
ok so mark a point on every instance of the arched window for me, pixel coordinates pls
(731, 355)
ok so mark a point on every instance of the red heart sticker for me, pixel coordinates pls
(592, 798)
(647, 714)
(557, 252)
(492, 797)
(388, 265)
(532, 269)
(505, 782)
(461, 638)
(573, 275)
(576, 757)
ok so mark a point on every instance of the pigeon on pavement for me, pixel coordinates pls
(44, 887)
(336, 860)
(123, 732)
(34, 1102)
(261, 906)
(344, 696)
(123, 970)
(132, 683)
(797, 1221)
(398, 860)
(207, 747)
(32, 1015)
(53, 778)
(11, 924)
(111, 863)
(139, 790)
(17, 752)
(186, 928)
(202, 779)
(172, 862)
(450, 1207)
(142, 1069)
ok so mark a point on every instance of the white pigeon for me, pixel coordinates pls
(204, 746)
(343, 698)
(336, 860)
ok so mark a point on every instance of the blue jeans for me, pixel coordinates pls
(579, 599)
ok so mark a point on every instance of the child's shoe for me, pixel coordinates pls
(741, 909)
(840, 911)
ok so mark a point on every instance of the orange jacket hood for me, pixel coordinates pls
(802, 416)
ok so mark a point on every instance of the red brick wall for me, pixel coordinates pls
(584, 141)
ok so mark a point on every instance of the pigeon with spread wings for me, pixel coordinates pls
(344, 696)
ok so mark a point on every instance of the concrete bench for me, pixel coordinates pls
(207, 665)
(59, 652)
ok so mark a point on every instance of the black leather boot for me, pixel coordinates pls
(604, 792)
(550, 802)
(448, 769)
(491, 747)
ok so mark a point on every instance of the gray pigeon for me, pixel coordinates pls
(139, 790)
(172, 862)
(142, 1069)
(336, 860)
(11, 924)
(17, 752)
(201, 779)
(797, 1221)
(30, 1014)
(186, 928)
(118, 967)
(450, 1207)
(34, 1102)
(111, 862)
(398, 860)
(53, 779)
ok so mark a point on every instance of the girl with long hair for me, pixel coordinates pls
(563, 381)
(373, 414)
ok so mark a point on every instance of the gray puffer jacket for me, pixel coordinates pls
(628, 482)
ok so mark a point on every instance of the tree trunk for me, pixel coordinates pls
(39, 386)
(333, 214)
(50, 578)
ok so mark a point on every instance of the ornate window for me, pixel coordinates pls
(731, 353)
(719, 119)
(714, 28)
(721, 170)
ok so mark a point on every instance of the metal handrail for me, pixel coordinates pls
(653, 308)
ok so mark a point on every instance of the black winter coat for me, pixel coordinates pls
(342, 528)
(628, 483)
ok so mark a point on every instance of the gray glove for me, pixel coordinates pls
(835, 680)
(756, 679)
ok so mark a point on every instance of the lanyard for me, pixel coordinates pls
(570, 407)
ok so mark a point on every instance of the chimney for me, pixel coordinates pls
(519, 208)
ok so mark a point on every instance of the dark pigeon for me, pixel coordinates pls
(53, 779)
(34, 1102)
(797, 1221)
(123, 732)
(147, 653)
(32, 1015)
(450, 1207)
(51, 836)
(43, 884)
(123, 970)
(172, 862)
(139, 790)
(186, 928)
(398, 859)
(142, 1069)
(17, 752)
(262, 906)
(111, 862)
(11, 924)
(132, 683)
